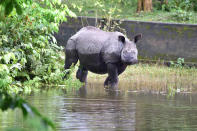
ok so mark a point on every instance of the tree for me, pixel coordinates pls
(144, 5)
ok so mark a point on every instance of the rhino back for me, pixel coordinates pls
(89, 43)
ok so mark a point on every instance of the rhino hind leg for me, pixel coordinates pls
(82, 74)
(70, 59)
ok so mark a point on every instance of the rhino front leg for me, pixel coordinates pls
(121, 68)
(106, 83)
(82, 74)
(112, 79)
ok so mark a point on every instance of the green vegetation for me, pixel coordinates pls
(11, 102)
(176, 11)
(28, 49)
(29, 56)
(155, 77)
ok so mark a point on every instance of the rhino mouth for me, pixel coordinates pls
(130, 62)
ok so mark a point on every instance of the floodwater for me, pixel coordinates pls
(99, 110)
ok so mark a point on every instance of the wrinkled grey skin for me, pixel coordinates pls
(101, 52)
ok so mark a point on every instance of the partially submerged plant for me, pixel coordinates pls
(179, 63)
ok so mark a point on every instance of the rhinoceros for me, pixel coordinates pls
(101, 52)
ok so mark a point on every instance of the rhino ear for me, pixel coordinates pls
(121, 38)
(137, 37)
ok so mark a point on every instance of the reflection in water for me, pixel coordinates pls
(96, 109)
(98, 114)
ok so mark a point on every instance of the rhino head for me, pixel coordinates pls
(129, 51)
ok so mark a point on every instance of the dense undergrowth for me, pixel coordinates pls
(176, 11)
(29, 55)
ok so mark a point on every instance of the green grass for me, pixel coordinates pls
(161, 16)
(120, 10)
(153, 78)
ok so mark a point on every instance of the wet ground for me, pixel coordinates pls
(99, 110)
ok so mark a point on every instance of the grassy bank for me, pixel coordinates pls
(161, 16)
(127, 10)
(153, 78)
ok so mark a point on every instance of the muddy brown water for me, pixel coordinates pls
(99, 110)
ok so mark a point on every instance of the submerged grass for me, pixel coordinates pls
(153, 77)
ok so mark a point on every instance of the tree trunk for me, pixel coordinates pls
(140, 5)
(144, 5)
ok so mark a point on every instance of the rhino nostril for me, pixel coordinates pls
(124, 52)
(132, 58)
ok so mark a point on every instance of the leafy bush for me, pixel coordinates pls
(181, 4)
(170, 5)
(194, 4)
(161, 5)
(8, 101)
(181, 9)
(179, 63)
(11, 102)
(101, 8)
(29, 55)
(182, 15)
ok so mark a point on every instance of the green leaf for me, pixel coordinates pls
(5, 38)
(23, 74)
(48, 122)
(9, 7)
(23, 61)
(18, 8)
(17, 66)
(2, 1)
(4, 67)
(26, 109)
(70, 13)
(8, 57)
